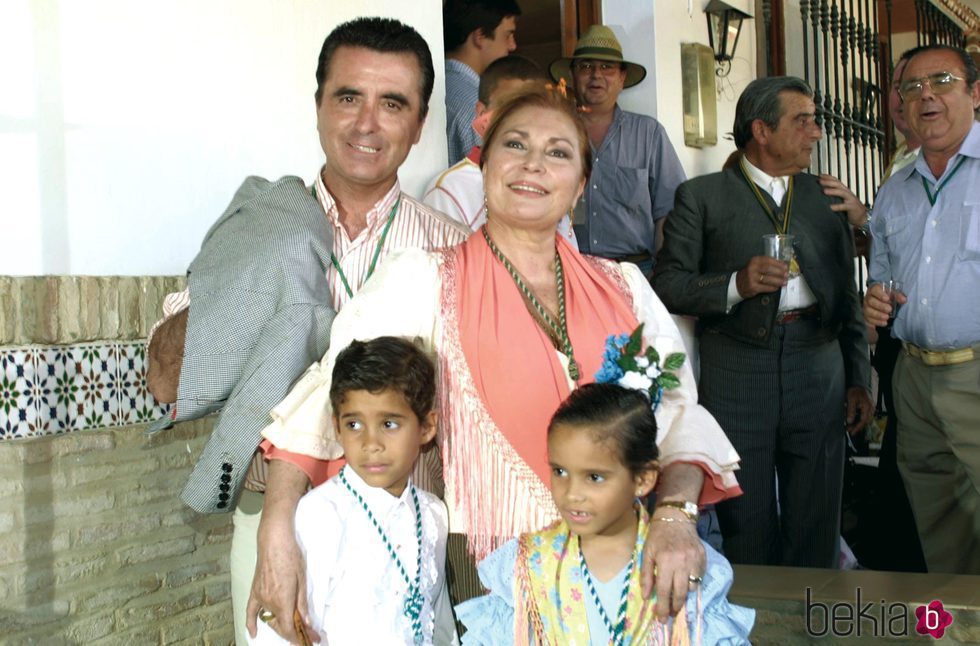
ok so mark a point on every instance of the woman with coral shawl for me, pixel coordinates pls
(518, 319)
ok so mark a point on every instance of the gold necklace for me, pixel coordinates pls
(559, 328)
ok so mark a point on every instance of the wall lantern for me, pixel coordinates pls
(724, 27)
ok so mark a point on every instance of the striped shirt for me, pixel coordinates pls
(415, 226)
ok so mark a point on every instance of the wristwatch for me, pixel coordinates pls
(689, 508)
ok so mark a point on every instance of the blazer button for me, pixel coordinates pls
(225, 477)
(761, 332)
(224, 487)
(223, 497)
(226, 467)
(765, 300)
(221, 505)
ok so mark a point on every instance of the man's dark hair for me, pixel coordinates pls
(760, 100)
(969, 65)
(384, 35)
(909, 53)
(511, 66)
(617, 416)
(461, 17)
(385, 363)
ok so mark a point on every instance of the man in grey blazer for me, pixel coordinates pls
(784, 359)
(266, 283)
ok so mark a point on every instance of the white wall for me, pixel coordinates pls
(125, 127)
(652, 32)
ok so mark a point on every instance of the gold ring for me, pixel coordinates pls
(696, 580)
(266, 616)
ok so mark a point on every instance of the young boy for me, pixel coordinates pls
(375, 546)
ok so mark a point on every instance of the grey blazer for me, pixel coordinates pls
(260, 315)
(717, 226)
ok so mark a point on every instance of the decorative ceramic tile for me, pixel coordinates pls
(96, 369)
(46, 390)
(58, 379)
(18, 398)
(136, 405)
(45, 379)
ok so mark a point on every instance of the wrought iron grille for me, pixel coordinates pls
(935, 27)
(843, 57)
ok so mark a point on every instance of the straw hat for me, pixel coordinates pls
(598, 43)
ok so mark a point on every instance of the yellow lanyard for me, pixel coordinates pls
(781, 227)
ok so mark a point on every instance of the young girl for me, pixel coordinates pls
(577, 581)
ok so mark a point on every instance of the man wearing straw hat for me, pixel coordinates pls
(634, 167)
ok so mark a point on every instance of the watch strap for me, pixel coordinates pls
(690, 509)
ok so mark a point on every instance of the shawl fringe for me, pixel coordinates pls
(497, 496)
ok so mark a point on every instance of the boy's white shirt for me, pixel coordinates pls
(355, 592)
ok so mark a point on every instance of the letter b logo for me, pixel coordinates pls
(932, 619)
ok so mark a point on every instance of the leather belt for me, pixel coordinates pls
(635, 258)
(803, 314)
(939, 357)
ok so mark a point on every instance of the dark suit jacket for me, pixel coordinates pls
(717, 226)
(260, 314)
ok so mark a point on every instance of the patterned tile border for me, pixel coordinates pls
(47, 390)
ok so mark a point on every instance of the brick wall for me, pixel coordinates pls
(96, 547)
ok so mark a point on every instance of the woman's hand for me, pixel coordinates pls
(672, 554)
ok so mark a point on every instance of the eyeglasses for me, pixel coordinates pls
(940, 83)
(587, 67)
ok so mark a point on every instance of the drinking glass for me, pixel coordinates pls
(892, 289)
(780, 246)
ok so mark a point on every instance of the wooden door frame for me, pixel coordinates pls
(577, 16)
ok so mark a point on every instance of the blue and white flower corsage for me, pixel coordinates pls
(626, 363)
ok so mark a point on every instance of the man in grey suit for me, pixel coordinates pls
(784, 357)
(265, 285)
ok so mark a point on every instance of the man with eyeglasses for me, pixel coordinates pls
(926, 235)
(635, 169)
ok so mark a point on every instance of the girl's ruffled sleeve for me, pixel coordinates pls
(489, 619)
(721, 622)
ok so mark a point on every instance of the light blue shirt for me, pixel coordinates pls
(462, 92)
(934, 250)
(610, 596)
(489, 619)
(635, 172)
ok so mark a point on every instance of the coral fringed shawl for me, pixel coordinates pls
(502, 380)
